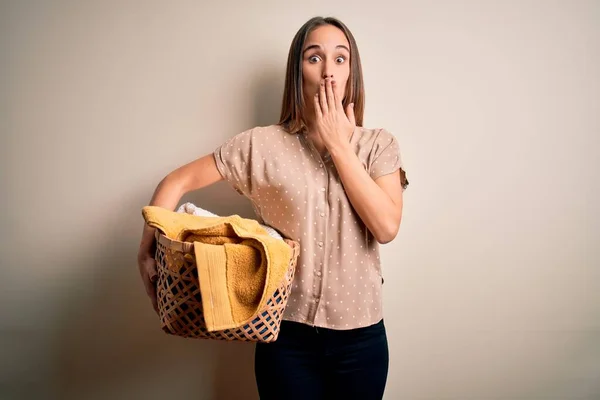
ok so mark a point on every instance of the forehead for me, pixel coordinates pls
(327, 36)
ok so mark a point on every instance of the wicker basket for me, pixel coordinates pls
(180, 302)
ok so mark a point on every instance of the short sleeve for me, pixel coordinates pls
(233, 161)
(386, 157)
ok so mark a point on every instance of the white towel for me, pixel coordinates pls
(190, 208)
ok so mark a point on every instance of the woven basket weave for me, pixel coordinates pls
(180, 302)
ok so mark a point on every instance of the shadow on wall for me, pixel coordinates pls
(236, 360)
(268, 91)
(108, 342)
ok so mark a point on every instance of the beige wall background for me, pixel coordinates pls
(493, 283)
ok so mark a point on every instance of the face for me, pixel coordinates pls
(326, 53)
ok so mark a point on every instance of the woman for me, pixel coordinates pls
(323, 180)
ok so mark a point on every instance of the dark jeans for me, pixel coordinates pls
(315, 363)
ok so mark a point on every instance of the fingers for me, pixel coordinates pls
(330, 96)
(323, 98)
(318, 111)
(151, 292)
(152, 274)
(155, 304)
(150, 278)
(150, 287)
(337, 99)
(326, 97)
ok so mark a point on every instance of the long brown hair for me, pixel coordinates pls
(292, 106)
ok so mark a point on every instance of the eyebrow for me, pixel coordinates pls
(317, 46)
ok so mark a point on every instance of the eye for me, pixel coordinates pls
(313, 59)
(342, 58)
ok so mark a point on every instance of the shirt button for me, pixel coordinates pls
(320, 165)
(318, 273)
(323, 189)
(322, 214)
(320, 244)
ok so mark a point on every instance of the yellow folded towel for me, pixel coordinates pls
(239, 264)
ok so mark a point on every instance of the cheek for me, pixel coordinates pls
(344, 75)
(342, 88)
(310, 87)
(310, 80)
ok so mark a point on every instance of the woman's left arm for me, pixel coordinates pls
(377, 202)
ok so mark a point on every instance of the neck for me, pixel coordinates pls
(312, 135)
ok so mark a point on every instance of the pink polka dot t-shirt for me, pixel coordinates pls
(338, 282)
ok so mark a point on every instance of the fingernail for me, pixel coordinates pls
(352, 105)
